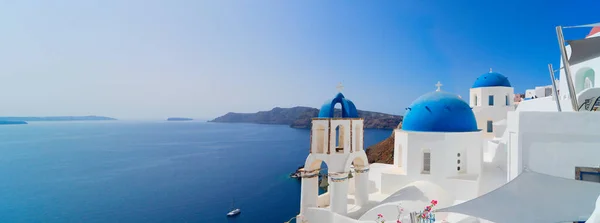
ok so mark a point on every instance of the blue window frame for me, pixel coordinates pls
(581, 173)
(491, 100)
(490, 126)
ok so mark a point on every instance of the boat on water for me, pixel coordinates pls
(234, 211)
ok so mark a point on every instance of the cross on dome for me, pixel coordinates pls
(340, 87)
(438, 85)
(490, 70)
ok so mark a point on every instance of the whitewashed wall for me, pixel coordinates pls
(576, 69)
(444, 148)
(484, 112)
(553, 142)
(540, 104)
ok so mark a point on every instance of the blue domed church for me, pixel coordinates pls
(443, 137)
(439, 142)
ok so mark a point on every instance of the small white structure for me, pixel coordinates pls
(529, 94)
(544, 91)
(484, 159)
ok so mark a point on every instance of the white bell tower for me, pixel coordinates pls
(337, 141)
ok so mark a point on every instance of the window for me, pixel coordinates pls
(339, 139)
(426, 162)
(507, 102)
(490, 126)
(590, 174)
(491, 100)
(475, 100)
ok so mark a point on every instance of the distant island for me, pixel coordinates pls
(2, 122)
(179, 119)
(57, 118)
(301, 117)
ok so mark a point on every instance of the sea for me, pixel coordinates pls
(130, 171)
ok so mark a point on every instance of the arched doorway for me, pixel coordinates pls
(584, 78)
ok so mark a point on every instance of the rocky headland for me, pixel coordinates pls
(301, 117)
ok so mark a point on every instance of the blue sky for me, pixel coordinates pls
(152, 59)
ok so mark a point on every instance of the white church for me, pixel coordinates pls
(486, 159)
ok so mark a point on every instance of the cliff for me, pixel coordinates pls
(58, 118)
(382, 152)
(301, 117)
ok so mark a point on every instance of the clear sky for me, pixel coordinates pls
(152, 59)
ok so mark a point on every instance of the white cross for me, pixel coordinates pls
(340, 87)
(490, 70)
(438, 85)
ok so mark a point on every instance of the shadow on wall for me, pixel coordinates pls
(413, 197)
(372, 187)
(357, 214)
(410, 193)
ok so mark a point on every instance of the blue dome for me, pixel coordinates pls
(491, 79)
(348, 108)
(439, 112)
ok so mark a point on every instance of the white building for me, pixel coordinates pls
(492, 97)
(541, 91)
(482, 160)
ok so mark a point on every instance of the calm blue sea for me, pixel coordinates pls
(151, 171)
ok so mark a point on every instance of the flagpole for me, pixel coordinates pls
(565, 59)
(555, 93)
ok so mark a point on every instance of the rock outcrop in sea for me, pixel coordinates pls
(179, 119)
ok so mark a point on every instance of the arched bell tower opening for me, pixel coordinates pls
(337, 140)
(359, 137)
(337, 109)
(323, 183)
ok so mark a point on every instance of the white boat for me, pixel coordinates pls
(234, 211)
